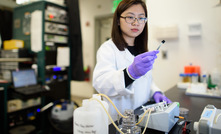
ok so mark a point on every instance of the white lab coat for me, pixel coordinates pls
(108, 78)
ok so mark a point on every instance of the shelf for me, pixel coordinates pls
(15, 59)
(24, 109)
(64, 23)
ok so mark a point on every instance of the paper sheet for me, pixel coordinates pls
(63, 56)
(36, 31)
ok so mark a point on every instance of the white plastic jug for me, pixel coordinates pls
(91, 117)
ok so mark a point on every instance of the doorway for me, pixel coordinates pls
(103, 26)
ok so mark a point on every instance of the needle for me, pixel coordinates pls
(162, 42)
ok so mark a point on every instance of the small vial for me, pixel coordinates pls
(187, 78)
(203, 80)
(194, 78)
(182, 75)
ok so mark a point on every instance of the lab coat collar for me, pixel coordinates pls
(128, 56)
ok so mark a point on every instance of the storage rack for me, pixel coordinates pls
(54, 35)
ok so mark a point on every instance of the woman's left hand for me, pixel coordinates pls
(158, 97)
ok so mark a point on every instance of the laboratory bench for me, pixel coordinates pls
(194, 104)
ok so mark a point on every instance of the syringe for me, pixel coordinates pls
(162, 42)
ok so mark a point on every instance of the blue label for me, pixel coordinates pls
(207, 113)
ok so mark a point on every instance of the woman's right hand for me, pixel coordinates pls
(142, 64)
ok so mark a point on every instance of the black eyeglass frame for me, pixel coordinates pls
(134, 19)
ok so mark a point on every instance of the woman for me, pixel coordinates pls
(123, 69)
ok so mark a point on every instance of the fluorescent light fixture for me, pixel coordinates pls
(22, 1)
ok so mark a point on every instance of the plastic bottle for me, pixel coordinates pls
(204, 79)
(210, 84)
(187, 78)
(216, 77)
(182, 75)
(91, 117)
(190, 77)
(194, 78)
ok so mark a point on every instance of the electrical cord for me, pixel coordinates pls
(185, 127)
(185, 130)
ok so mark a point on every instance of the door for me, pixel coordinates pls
(103, 27)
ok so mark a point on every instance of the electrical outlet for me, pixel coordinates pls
(164, 54)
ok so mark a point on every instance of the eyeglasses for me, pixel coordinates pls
(130, 19)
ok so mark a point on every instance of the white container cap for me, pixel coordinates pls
(96, 96)
(85, 102)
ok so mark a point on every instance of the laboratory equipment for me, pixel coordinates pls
(60, 116)
(200, 89)
(163, 116)
(14, 59)
(128, 125)
(195, 78)
(162, 42)
(181, 78)
(192, 69)
(204, 79)
(216, 77)
(184, 112)
(210, 121)
(62, 111)
(210, 84)
(184, 81)
(189, 77)
(184, 78)
(91, 117)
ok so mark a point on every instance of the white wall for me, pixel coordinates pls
(89, 9)
(202, 51)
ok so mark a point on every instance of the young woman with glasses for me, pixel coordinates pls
(124, 64)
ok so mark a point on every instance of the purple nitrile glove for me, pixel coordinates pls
(142, 64)
(158, 97)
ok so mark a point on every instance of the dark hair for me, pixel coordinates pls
(141, 40)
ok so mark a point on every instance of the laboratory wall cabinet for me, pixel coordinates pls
(43, 26)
